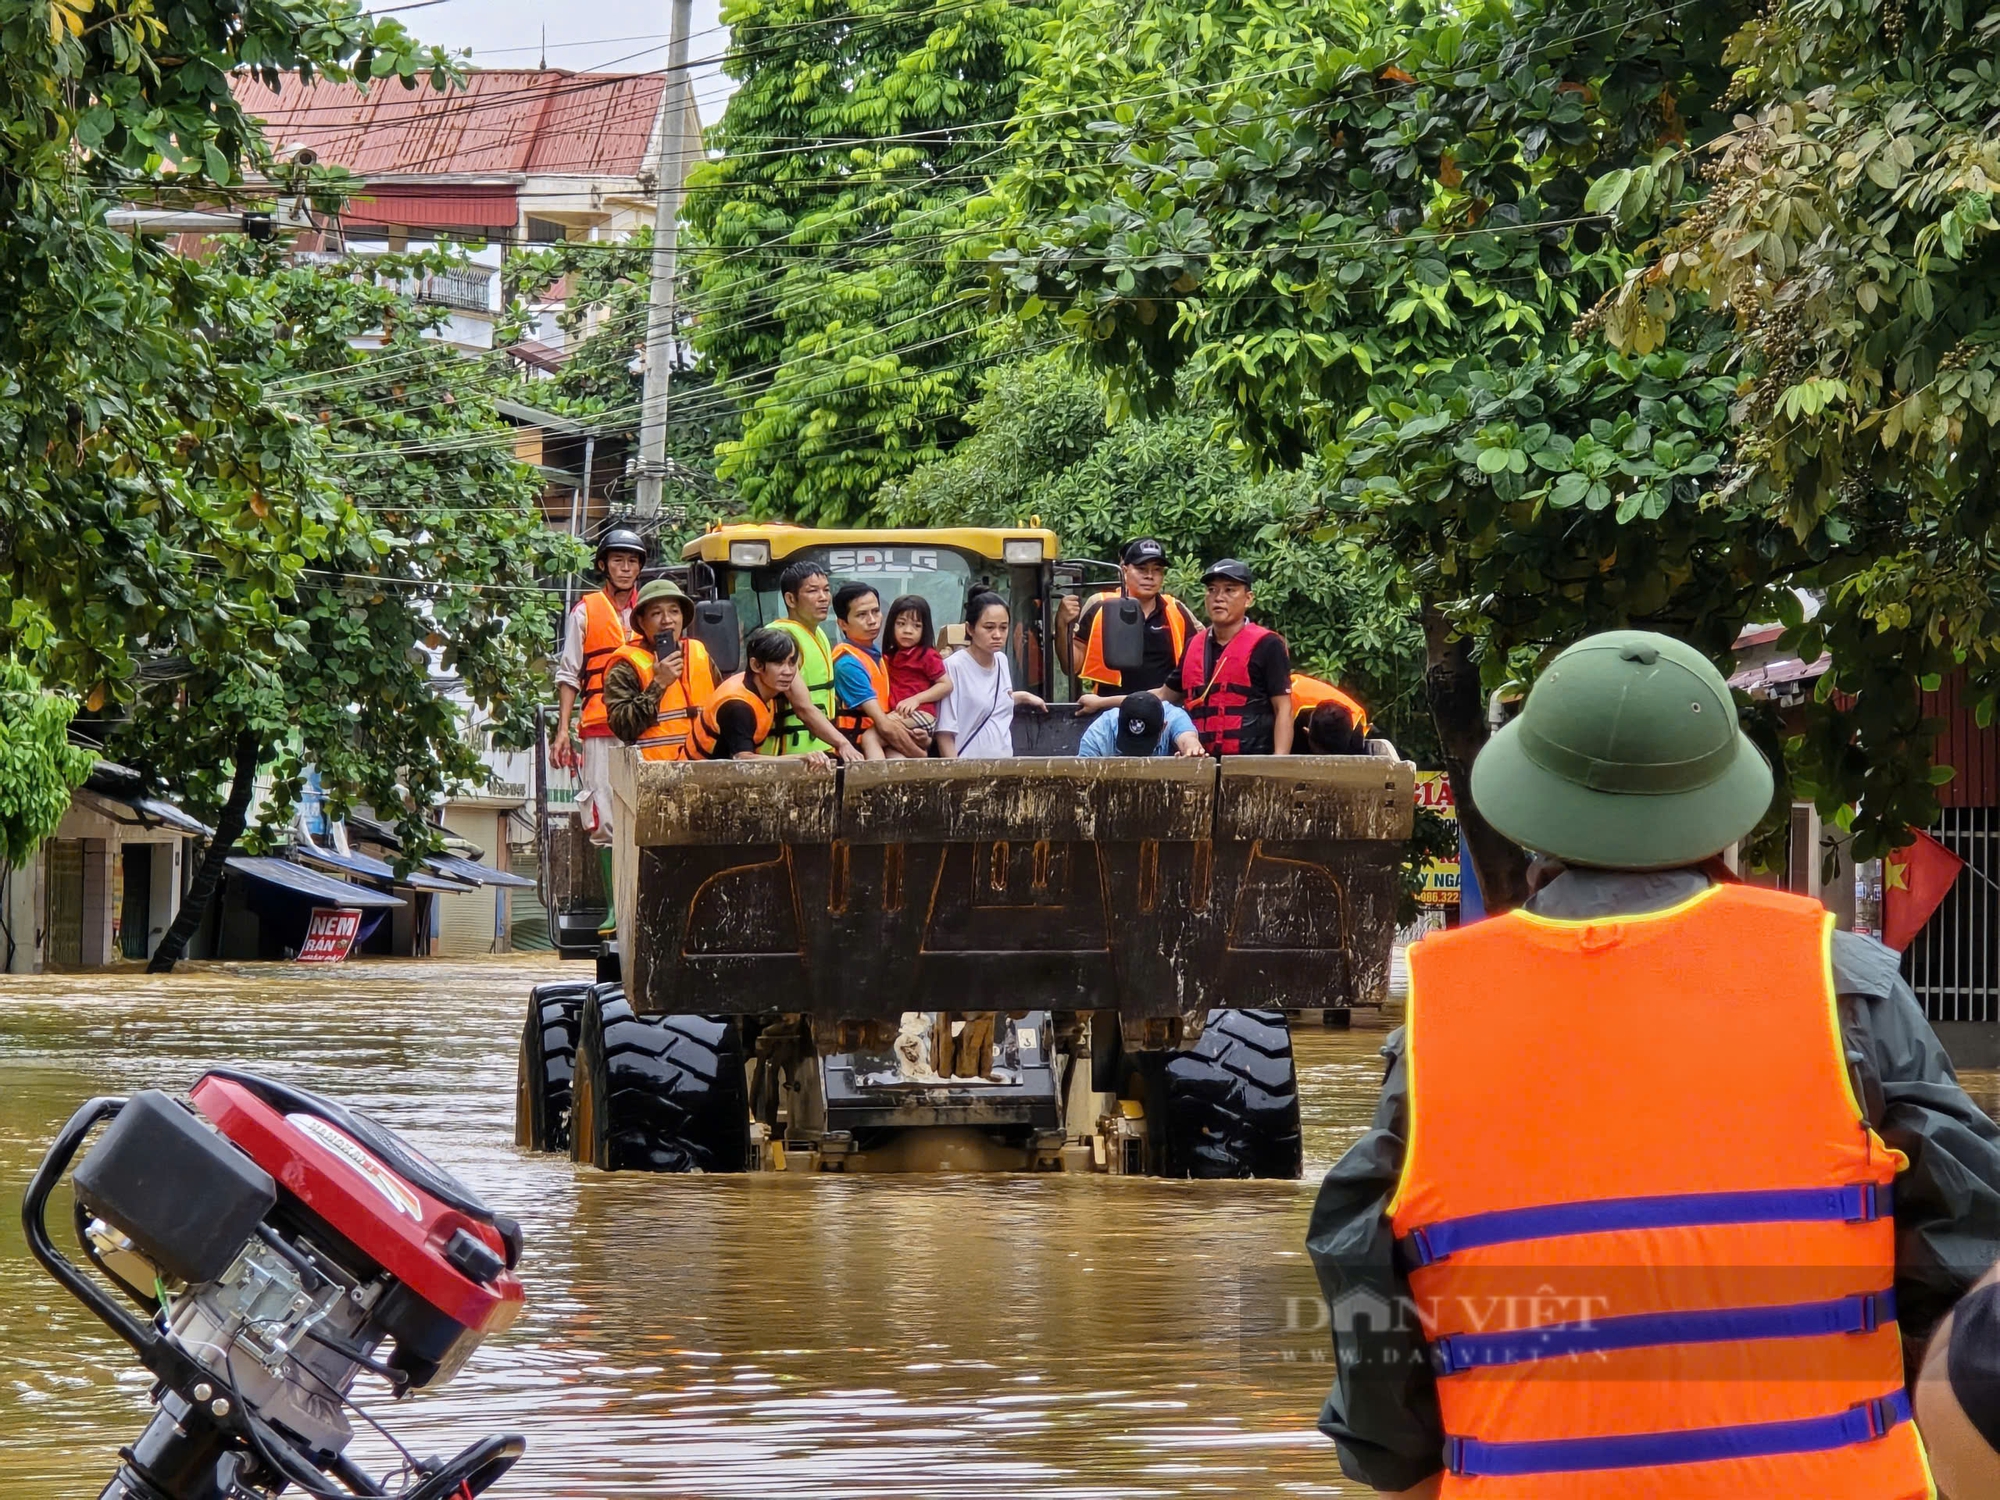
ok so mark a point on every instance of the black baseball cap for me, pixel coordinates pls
(1143, 551)
(1142, 718)
(1233, 569)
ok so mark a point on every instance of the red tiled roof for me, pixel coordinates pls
(506, 121)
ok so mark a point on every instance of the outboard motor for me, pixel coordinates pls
(276, 1246)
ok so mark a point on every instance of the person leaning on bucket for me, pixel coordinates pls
(1702, 1149)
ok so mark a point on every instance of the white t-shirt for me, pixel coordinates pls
(977, 694)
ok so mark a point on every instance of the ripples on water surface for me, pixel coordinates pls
(760, 1336)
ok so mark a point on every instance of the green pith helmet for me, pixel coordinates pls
(1626, 756)
(663, 588)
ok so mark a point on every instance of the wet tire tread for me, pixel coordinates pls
(1232, 1100)
(670, 1090)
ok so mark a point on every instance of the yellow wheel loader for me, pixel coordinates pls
(1033, 963)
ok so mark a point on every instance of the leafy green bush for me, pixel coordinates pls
(39, 767)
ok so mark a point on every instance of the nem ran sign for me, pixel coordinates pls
(330, 934)
(1440, 875)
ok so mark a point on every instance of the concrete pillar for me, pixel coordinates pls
(163, 901)
(22, 915)
(98, 900)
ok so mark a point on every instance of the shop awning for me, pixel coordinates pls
(310, 883)
(115, 791)
(478, 874)
(377, 869)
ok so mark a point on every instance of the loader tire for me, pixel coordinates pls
(1232, 1100)
(547, 1067)
(658, 1093)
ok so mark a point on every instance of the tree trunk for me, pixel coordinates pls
(1458, 709)
(228, 829)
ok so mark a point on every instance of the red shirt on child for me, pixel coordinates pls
(912, 670)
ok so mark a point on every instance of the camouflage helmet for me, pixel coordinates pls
(1627, 755)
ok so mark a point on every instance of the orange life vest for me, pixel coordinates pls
(604, 631)
(1094, 670)
(852, 721)
(708, 734)
(1648, 1222)
(1308, 693)
(668, 739)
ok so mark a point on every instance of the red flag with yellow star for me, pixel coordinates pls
(1915, 879)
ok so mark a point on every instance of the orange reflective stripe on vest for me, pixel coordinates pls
(707, 734)
(670, 736)
(1094, 669)
(851, 721)
(1308, 693)
(604, 632)
(1648, 1223)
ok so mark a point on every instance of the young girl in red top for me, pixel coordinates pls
(916, 672)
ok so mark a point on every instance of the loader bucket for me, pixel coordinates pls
(1157, 889)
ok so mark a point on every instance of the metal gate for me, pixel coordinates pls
(65, 897)
(1954, 963)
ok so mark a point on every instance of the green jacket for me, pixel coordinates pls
(789, 735)
(1383, 1410)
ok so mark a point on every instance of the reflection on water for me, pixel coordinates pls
(760, 1336)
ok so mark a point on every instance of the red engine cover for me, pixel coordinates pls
(393, 1222)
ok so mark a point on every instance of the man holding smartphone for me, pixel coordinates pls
(654, 687)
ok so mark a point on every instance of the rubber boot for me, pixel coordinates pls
(609, 926)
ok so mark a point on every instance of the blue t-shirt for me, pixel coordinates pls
(850, 678)
(1101, 738)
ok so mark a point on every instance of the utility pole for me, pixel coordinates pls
(660, 315)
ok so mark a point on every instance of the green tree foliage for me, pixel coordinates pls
(1847, 235)
(145, 489)
(1041, 447)
(435, 568)
(825, 282)
(38, 766)
(1368, 237)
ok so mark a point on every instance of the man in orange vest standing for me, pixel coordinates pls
(597, 627)
(1665, 1171)
(1169, 623)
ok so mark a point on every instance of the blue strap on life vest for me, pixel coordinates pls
(1860, 1203)
(1649, 1450)
(1470, 1351)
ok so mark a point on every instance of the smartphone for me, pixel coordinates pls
(666, 643)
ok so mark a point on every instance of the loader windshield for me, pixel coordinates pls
(943, 577)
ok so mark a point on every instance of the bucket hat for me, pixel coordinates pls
(1626, 756)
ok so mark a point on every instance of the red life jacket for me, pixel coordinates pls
(1220, 702)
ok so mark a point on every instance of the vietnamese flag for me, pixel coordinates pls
(1915, 880)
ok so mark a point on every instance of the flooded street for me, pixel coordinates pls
(760, 1336)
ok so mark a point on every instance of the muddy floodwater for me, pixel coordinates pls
(752, 1336)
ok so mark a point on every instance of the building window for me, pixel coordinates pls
(546, 231)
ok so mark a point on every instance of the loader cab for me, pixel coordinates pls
(946, 566)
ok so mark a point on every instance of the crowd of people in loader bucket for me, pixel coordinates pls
(847, 674)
